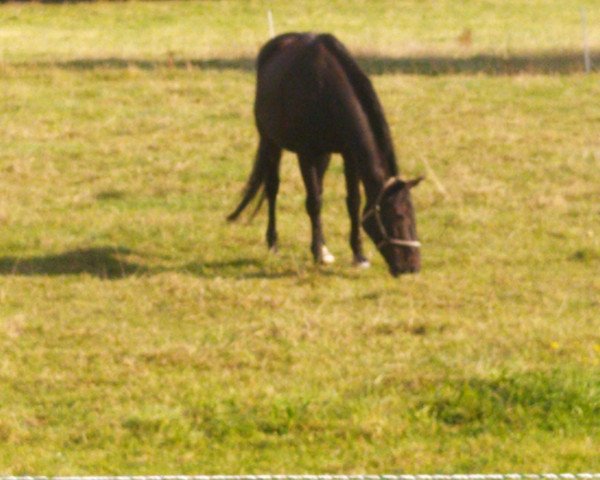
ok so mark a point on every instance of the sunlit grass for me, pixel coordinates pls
(216, 29)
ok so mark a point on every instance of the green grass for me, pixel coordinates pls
(141, 333)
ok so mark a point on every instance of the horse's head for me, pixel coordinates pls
(390, 223)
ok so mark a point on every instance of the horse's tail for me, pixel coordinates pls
(253, 186)
(368, 99)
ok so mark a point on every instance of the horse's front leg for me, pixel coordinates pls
(353, 205)
(313, 169)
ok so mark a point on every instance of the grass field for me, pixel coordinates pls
(141, 333)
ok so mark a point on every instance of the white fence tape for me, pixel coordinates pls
(476, 476)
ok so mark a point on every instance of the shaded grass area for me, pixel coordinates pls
(544, 63)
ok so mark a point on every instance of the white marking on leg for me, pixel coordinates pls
(362, 264)
(326, 257)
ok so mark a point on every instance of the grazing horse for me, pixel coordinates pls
(312, 98)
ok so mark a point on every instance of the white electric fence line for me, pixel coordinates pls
(493, 476)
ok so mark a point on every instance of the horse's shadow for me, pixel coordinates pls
(240, 268)
(113, 263)
(101, 262)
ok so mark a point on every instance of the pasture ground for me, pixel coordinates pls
(140, 333)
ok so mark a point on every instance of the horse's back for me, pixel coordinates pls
(298, 78)
(283, 42)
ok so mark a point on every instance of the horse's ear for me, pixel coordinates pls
(413, 183)
(396, 185)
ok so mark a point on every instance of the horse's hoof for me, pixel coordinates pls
(326, 257)
(362, 264)
(273, 250)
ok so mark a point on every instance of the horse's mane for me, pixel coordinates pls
(368, 99)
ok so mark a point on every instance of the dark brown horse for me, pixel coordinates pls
(313, 99)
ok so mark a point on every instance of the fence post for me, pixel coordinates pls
(271, 25)
(586, 46)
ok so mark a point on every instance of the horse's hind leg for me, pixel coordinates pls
(353, 204)
(272, 156)
(313, 170)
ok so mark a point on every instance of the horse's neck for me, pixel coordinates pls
(360, 144)
(373, 181)
(371, 168)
